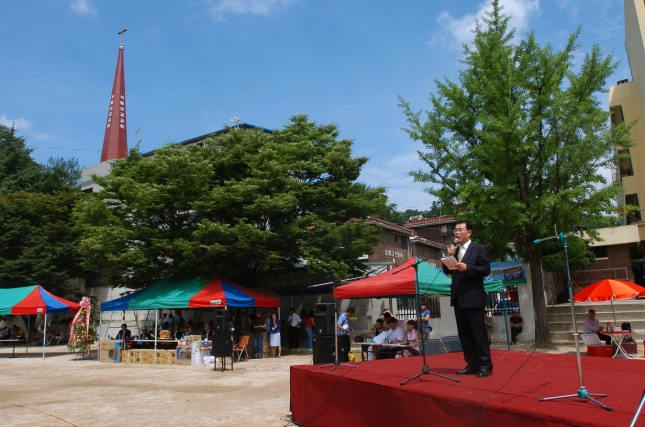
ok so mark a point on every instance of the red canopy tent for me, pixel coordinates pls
(384, 284)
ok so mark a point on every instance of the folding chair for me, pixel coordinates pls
(452, 343)
(433, 346)
(240, 347)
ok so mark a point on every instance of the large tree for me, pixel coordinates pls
(38, 244)
(519, 143)
(245, 204)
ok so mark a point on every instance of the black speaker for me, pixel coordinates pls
(324, 349)
(222, 341)
(324, 319)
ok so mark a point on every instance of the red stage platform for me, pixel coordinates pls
(371, 395)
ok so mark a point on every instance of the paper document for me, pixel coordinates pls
(450, 262)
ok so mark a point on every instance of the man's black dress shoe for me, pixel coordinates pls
(484, 372)
(468, 371)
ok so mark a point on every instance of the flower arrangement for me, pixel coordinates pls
(82, 332)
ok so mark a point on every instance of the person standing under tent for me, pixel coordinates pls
(343, 334)
(468, 299)
(294, 321)
(274, 335)
(309, 324)
(259, 326)
(425, 320)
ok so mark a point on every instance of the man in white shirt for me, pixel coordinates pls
(393, 335)
(294, 321)
(592, 326)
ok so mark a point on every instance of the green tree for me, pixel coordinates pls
(520, 141)
(246, 204)
(37, 242)
(580, 255)
(18, 171)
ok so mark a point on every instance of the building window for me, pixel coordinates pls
(617, 116)
(625, 163)
(404, 243)
(600, 252)
(633, 216)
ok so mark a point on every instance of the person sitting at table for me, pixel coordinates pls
(411, 337)
(393, 335)
(40, 336)
(592, 326)
(124, 333)
(207, 335)
(176, 332)
(377, 329)
(4, 333)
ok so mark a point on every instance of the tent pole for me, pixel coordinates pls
(156, 326)
(28, 330)
(98, 357)
(108, 325)
(45, 335)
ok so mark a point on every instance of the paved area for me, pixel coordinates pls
(61, 391)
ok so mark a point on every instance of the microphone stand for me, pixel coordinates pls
(425, 370)
(582, 393)
(337, 362)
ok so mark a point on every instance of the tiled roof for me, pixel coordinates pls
(424, 221)
(374, 219)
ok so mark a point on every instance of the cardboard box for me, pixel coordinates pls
(147, 357)
(600, 350)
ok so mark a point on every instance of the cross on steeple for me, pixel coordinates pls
(121, 33)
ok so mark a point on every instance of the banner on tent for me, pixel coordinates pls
(509, 272)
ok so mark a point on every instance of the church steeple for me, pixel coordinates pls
(115, 141)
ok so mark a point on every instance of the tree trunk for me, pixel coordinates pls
(539, 303)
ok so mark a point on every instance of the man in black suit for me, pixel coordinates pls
(468, 298)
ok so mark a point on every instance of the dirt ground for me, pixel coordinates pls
(61, 391)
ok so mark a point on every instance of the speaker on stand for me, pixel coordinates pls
(222, 341)
(324, 319)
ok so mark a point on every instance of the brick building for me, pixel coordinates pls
(398, 245)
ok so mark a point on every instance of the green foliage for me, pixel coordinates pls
(19, 172)
(246, 204)
(580, 255)
(520, 141)
(37, 242)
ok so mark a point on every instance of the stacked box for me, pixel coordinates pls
(167, 357)
(147, 357)
(125, 356)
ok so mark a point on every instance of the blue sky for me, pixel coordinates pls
(193, 65)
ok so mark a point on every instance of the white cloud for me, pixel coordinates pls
(571, 7)
(257, 7)
(394, 173)
(460, 30)
(83, 7)
(20, 123)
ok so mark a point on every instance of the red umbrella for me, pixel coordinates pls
(609, 290)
